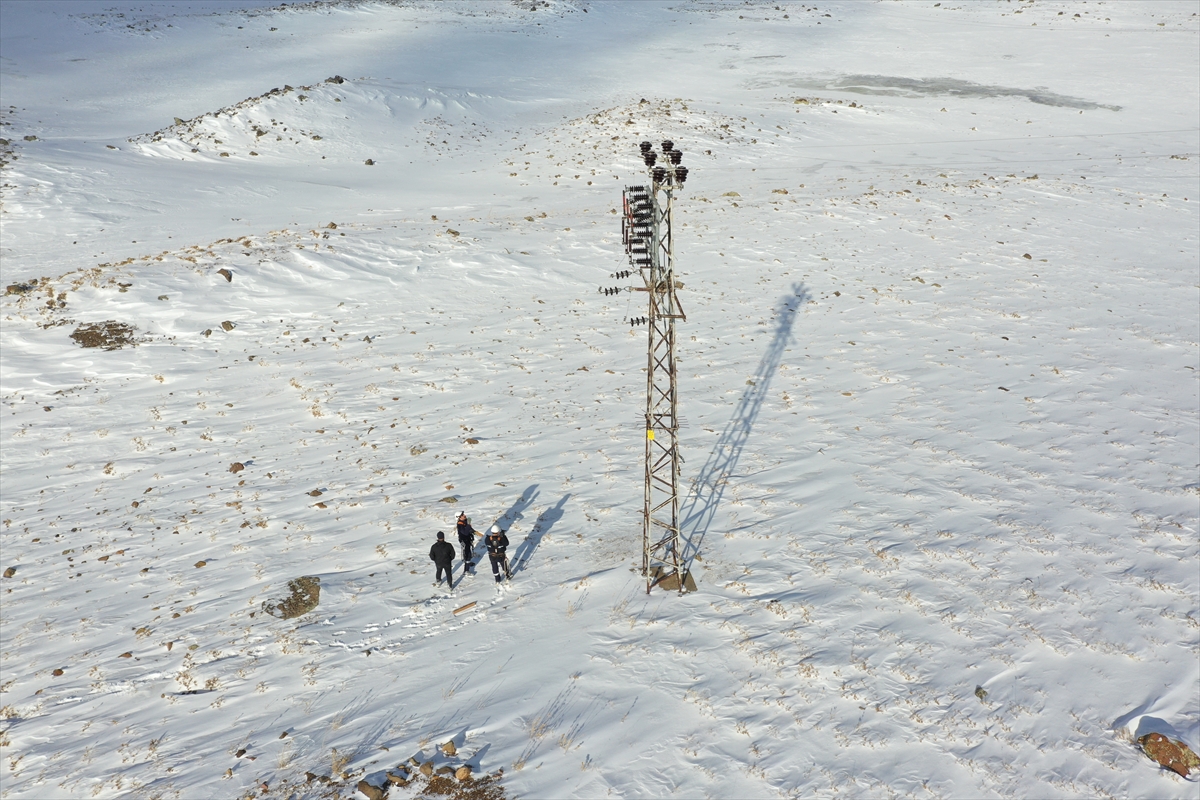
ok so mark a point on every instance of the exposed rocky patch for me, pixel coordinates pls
(1173, 755)
(305, 596)
(107, 335)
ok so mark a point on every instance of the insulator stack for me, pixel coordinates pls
(622, 274)
(635, 321)
(610, 291)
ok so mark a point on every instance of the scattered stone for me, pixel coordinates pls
(20, 288)
(370, 162)
(1173, 755)
(224, 155)
(305, 596)
(372, 792)
(449, 748)
(31, 138)
(981, 693)
(463, 773)
(236, 467)
(207, 332)
(452, 232)
(164, 297)
(332, 226)
(335, 79)
(56, 673)
(397, 779)
(426, 768)
(779, 191)
(445, 770)
(1027, 256)
(241, 752)
(228, 275)
(450, 499)
(731, 194)
(126, 654)
(108, 335)
(315, 493)
(201, 563)
(8, 573)
(472, 441)
(227, 325)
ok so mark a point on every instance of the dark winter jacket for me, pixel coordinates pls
(496, 545)
(442, 553)
(465, 532)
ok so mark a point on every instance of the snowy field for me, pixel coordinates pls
(938, 379)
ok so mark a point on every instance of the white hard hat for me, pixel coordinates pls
(495, 529)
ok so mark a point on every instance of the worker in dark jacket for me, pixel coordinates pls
(442, 555)
(497, 544)
(466, 538)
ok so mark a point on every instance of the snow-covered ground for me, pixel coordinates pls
(939, 380)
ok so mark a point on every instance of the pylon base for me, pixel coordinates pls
(669, 581)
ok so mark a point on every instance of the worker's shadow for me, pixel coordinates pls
(517, 510)
(541, 527)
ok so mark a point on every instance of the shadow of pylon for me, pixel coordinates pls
(708, 487)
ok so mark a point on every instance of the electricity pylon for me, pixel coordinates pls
(649, 242)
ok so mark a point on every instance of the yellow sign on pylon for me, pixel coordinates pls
(650, 434)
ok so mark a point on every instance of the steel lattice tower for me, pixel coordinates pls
(649, 243)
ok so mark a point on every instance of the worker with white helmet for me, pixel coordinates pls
(497, 544)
